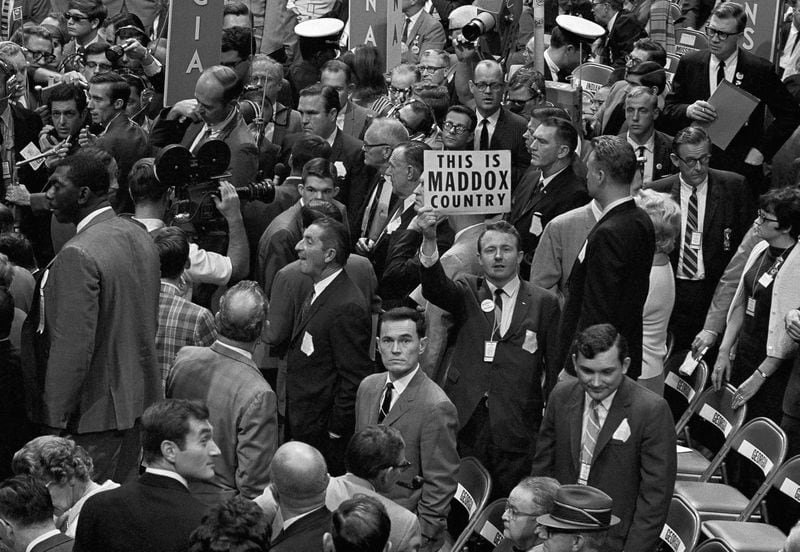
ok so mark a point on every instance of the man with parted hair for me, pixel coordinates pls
(26, 517)
(611, 276)
(243, 406)
(531, 498)
(84, 18)
(299, 478)
(211, 115)
(157, 510)
(458, 129)
(360, 524)
(652, 147)
(563, 54)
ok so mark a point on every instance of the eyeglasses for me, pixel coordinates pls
(595, 4)
(630, 61)
(519, 103)
(75, 17)
(35, 57)
(513, 513)
(366, 146)
(101, 66)
(232, 64)
(693, 162)
(762, 216)
(484, 86)
(424, 69)
(711, 32)
(402, 466)
(456, 129)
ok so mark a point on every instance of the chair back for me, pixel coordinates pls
(715, 408)
(682, 393)
(714, 545)
(474, 485)
(484, 532)
(787, 480)
(689, 40)
(682, 529)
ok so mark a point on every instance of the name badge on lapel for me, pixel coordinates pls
(536, 224)
(582, 252)
(531, 344)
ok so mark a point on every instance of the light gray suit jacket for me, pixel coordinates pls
(558, 248)
(355, 120)
(428, 422)
(404, 535)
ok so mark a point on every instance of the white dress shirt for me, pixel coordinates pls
(649, 155)
(492, 124)
(320, 286)
(509, 298)
(730, 70)
(398, 386)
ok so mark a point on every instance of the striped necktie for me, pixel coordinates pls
(590, 432)
(690, 262)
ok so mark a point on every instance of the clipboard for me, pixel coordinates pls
(734, 107)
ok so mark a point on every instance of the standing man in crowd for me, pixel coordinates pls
(97, 307)
(243, 406)
(605, 424)
(406, 399)
(652, 148)
(26, 513)
(84, 18)
(611, 276)
(420, 32)
(352, 119)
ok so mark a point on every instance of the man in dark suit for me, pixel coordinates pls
(243, 406)
(299, 477)
(531, 498)
(611, 276)
(213, 115)
(550, 187)
(155, 512)
(26, 513)
(652, 148)
(406, 399)
(788, 39)
(698, 75)
(498, 128)
(319, 108)
(563, 54)
(101, 289)
(622, 30)
(721, 212)
(420, 32)
(604, 425)
(501, 321)
(328, 351)
(352, 119)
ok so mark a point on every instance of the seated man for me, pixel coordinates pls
(531, 498)
(359, 524)
(236, 525)
(156, 512)
(579, 521)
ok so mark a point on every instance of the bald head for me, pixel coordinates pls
(242, 311)
(300, 476)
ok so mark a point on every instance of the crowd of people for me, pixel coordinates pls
(286, 348)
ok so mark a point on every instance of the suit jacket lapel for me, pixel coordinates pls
(617, 413)
(575, 422)
(319, 301)
(373, 400)
(712, 202)
(705, 66)
(405, 401)
(521, 307)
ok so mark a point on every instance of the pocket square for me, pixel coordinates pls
(622, 432)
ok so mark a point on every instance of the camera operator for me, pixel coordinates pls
(151, 200)
(131, 53)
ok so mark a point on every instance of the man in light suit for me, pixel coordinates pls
(699, 74)
(550, 187)
(559, 246)
(375, 461)
(501, 322)
(213, 115)
(604, 425)
(26, 513)
(725, 213)
(611, 276)
(329, 346)
(96, 295)
(155, 512)
(420, 32)
(243, 405)
(352, 119)
(404, 398)
(498, 128)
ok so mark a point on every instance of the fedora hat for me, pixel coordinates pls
(580, 508)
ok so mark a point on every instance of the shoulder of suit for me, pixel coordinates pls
(539, 292)
(726, 177)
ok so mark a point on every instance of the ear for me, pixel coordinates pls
(675, 160)
(335, 191)
(563, 151)
(332, 114)
(95, 24)
(83, 195)
(330, 255)
(119, 104)
(327, 543)
(300, 188)
(625, 364)
(169, 450)
(423, 343)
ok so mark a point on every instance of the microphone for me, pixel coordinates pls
(415, 483)
(281, 173)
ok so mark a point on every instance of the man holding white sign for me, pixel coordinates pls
(505, 347)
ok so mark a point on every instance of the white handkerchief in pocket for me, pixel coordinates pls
(623, 431)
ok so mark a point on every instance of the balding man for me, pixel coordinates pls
(498, 128)
(300, 480)
(212, 115)
(242, 404)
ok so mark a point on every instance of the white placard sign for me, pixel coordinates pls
(468, 182)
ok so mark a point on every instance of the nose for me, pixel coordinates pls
(396, 347)
(505, 516)
(49, 194)
(213, 449)
(596, 380)
(298, 247)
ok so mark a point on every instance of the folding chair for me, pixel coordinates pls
(715, 408)
(689, 40)
(747, 536)
(713, 545)
(682, 393)
(487, 528)
(682, 529)
(472, 494)
(761, 442)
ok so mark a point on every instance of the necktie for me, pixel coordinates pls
(590, 432)
(641, 159)
(498, 309)
(203, 139)
(406, 26)
(306, 306)
(539, 186)
(386, 405)
(720, 72)
(484, 144)
(690, 253)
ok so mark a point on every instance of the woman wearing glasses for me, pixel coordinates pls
(756, 353)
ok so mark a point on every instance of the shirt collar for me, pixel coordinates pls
(613, 204)
(492, 118)
(597, 211)
(332, 137)
(90, 217)
(170, 288)
(217, 127)
(461, 232)
(605, 402)
(650, 145)
(291, 520)
(547, 179)
(612, 21)
(168, 473)
(400, 384)
(509, 289)
(320, 286)
(729, 62)
(151, 223)
(414, 18)
(688, 187)
(41, 538)
(554, 69)
(239, 350)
